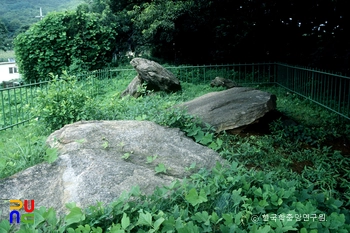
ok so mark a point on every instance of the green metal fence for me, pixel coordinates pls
(16, 102)
(331, 91)
(242, 74)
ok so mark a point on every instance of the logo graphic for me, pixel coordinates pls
(16, 205)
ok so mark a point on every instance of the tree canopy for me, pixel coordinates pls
(221, 31)
(65, 40)
(3, 35)
(312, 33)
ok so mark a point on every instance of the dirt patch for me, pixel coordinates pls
(341, 144)
(298, 166)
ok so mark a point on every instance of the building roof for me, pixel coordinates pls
(7, 63)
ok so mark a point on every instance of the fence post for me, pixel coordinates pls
(312, 85)
(339, 102)
(3, 107)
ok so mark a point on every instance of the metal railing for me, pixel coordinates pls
(329, 90)
(16, 102)
(242, 74)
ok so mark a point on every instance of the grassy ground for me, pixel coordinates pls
(292, 167)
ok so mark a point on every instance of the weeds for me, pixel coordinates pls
(261, 191)
(24, 147)
(226, 198)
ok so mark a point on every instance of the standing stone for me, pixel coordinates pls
(156, 76)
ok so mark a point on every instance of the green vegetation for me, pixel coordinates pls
(65, 41)
(16, 102)
(3, 32)
(99, 32)
(291, 173)
(63, 102)
(18, 15)
(21, 148)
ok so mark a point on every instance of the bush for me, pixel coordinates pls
(63, 102)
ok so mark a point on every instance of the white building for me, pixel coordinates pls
(8, 71)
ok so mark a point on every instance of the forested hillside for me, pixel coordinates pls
(17, 15)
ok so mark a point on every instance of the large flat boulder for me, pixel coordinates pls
(90, 167)
(156, 76)
(232, 108)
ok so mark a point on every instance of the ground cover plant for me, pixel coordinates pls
(289, 180)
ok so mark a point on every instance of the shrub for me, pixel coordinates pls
(62, 103)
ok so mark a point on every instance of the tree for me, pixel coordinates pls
(212, 31)
(65, 40)
(154, 25)
(3, 35)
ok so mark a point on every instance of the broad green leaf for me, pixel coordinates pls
(51, 155)
(206, 139)
(193, 131)
(125, 221)
(75, 216)
(50, 216)
(202, 217)
(229, 217)
(160, 168)
(188, 228)
(215, 218)
(144, 219)
(236, 197)
(194, 199)
(158, 223)
(258, 192)
(5, 226)
(336, 220)
(126, 156)
(135, 191)
(265, 229)
(116, 229)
